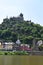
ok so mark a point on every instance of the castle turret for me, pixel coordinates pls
(21, 18)
(21, 15)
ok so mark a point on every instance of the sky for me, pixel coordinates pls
(31, 9)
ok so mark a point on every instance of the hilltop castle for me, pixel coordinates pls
(19, 18)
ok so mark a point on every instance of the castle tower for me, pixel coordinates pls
(21, 17)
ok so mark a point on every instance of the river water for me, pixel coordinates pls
(21, 60)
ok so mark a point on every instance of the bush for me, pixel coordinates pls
(1, 53)
(6, 53)
(21, 53)
(14, 53)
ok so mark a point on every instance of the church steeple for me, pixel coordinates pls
(18, 40)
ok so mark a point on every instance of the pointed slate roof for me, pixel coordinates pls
(18, 41)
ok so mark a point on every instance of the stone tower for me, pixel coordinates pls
(21, 17)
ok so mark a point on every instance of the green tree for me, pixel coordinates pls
(28, 40)
(6, 34)
(14, 36)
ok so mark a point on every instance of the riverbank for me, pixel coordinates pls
(40, 53)
(13, 53)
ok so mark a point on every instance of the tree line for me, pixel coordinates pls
(10, 29)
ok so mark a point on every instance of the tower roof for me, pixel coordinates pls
(21, 15)
(18, 41)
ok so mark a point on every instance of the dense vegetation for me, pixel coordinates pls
(14, 53)
(11, 29)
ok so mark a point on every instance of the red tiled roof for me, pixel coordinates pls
(25, 48)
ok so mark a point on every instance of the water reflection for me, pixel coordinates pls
(21, 60)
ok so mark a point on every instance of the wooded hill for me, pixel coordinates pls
(13, 28)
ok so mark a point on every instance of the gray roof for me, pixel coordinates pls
(18, 41)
